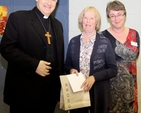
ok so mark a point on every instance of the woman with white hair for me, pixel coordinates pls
(91, 54)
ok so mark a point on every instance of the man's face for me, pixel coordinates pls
(46, 6)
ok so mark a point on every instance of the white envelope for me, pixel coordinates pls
(76, 81)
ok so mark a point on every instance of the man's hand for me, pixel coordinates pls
(43, 68)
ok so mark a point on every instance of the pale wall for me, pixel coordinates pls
(133, 8)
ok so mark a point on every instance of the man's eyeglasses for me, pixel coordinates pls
(120, 15)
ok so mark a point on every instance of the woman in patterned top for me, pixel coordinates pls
(125, 43)
(91, 54)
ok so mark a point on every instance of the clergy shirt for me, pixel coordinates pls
(51, 49)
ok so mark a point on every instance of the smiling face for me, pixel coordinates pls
(117, 18)
(88, 22)
(46, 6)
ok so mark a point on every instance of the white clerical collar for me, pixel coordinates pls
(45, 17)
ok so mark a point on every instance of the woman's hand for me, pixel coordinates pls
(74, 71)
(88, 83)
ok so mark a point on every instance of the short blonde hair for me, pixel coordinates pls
(96, 14)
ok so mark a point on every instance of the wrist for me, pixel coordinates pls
(71, 70)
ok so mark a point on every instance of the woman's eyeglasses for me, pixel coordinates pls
(120, 15)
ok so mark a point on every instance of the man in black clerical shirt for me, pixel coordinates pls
(33, 46)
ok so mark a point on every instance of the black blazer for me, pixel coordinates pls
(23, 45)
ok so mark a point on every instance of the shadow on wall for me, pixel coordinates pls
(3, 63)
(3, 66)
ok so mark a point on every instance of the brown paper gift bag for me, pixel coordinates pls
(72, 100)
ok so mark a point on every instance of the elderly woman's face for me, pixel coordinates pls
(89, 22)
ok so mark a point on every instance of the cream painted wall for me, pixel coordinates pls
(133, 8)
